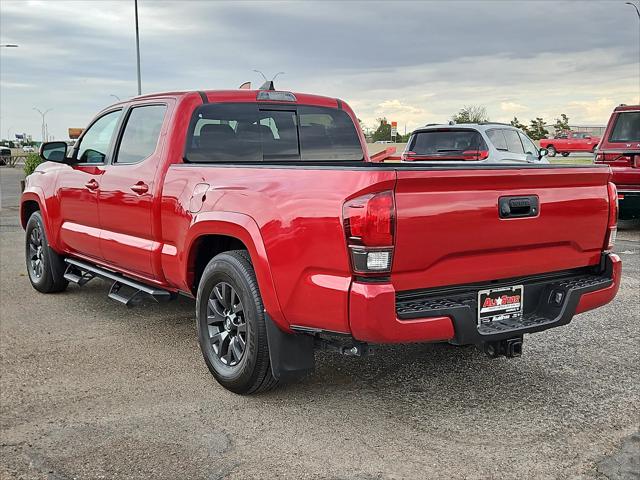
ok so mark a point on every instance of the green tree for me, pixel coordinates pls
(561, 124)
(516, 123)
(471, 114)
(537, 129)
(383, 132)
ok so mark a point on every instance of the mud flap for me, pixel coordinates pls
(291, 355)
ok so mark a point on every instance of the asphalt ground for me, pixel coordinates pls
(91, 390)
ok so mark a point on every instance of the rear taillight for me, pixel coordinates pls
(636, 161)
(475, 154)
(369, 224)
(612, 224)
(407, 156)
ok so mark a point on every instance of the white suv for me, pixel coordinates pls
(483, 142)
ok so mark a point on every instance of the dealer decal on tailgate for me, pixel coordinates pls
(500, 303)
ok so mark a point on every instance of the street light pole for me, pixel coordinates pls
(43, 115)
(638, 12)
(138, 48)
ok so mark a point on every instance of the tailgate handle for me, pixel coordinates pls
(518, 207)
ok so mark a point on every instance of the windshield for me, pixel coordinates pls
(627, 128)
(446, 143)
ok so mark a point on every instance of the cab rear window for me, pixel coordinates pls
(247, 132)
(626, 128)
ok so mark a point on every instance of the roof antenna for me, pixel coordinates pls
(268, 84)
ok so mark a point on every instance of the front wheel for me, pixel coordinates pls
(231, 324)
(551, 151)
(45, 267)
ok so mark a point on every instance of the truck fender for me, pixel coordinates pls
(37, 195)
(244, 228)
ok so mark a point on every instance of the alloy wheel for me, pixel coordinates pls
(36, 255)
(226, 324)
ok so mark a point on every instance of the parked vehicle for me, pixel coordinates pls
(5, 156)
(264, 207)
(570, 142)
(484, 142)
(620, 149)
(28, 149)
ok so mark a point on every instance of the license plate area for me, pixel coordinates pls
(502, 303)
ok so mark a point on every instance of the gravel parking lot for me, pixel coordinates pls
(90, 389)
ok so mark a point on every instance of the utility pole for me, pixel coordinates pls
(138, 48)
(638, 12)
(42, 114)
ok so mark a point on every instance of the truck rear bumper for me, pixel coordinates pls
(379, 314)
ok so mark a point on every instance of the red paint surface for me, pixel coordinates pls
(290, 219)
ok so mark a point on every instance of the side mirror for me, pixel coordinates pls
(543, 152)
(54, 152)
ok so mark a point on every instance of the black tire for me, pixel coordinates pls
(565, 154)
(44, 266)
(551, 151)
(231, 325)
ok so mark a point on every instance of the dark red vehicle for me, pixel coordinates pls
(620, 149)
(264, 206)
(570, 142)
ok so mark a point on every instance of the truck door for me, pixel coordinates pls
(128, 190)
(78, 186)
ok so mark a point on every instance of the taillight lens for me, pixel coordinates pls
(369, 224)
(612, 224)
(475, 154)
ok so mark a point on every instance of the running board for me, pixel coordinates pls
(124, 290)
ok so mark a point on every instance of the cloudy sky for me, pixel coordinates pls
(413, 62)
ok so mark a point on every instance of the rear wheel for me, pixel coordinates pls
(552, 151)
(45, 267)
(231, 325)
(565, 154)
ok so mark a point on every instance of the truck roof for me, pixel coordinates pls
(246, 96)
(622, 108)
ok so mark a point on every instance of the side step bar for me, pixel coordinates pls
(124, 290)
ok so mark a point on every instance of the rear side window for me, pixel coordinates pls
(514, 145)
(249, 132)
(141, 133)
(446, 142)
(498, 140)
(626, 128)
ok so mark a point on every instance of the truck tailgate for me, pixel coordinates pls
(449, 230)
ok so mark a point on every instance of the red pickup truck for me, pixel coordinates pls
(620, 149)
(265, 207)
(570, 142)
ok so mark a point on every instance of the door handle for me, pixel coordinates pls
(91, 184)
(140, 188)
(518, 207)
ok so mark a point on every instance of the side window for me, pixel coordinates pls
(497, 138)
(529, 146)
(141, 133)
(95, 142)
(514, 145)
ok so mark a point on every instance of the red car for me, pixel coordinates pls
(620, 149)
(264, 206)
(570, 142)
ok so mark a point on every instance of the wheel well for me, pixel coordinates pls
(204, 249)
(28, 207)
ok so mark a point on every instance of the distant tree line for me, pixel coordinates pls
(536, 129)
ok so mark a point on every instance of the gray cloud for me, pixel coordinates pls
(413, 61)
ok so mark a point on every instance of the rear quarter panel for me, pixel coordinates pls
(298, 215)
